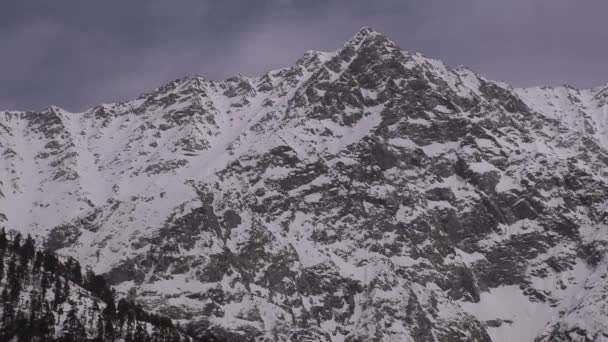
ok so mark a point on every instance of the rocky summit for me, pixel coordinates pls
(366, 194)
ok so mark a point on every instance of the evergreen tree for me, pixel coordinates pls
(47, 324)
(7, 307)
(3, 239)
(17, 241)
(75, 272)
(38, 261)
(13, 281)
(45, 283)
(35, 307)
(110, 310)
(73, 327)
(100, 328)
(1, 266)
(28, 250)
(50, 262)
(109, 332)
(58, 293)
(65, 290)
(140, 334)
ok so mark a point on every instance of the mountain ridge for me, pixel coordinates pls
(363, 32)
(358, 195)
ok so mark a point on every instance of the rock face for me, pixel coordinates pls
(367, 194)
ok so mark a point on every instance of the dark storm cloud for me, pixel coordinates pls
(75, 53)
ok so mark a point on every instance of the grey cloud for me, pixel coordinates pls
(76, 54)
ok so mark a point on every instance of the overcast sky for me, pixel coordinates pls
(75, 53)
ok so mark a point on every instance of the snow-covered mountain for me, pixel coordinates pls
(366, 194)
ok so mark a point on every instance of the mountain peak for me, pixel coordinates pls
(53, 109)
(363, 34)
(366, 30)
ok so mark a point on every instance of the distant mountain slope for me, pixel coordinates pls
(366, 194)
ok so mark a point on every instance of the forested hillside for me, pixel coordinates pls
(45, 298)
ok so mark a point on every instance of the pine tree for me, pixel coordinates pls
(75, 271)
(38, 261)
(50, 262)
(47, 324)
(110, 310)
(1, 265)
(28, 250)
(13, 281)
(7, 307)
(35, 307)
(72, 326)
(23, 273)
(58, 293)
(100, 328)
(45, 283)
(65, 291)
(109, 332)
(140, 334)
(3, 239)
(16, 242)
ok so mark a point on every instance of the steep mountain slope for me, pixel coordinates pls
(367, 194)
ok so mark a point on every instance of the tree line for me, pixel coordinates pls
(44, 298)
